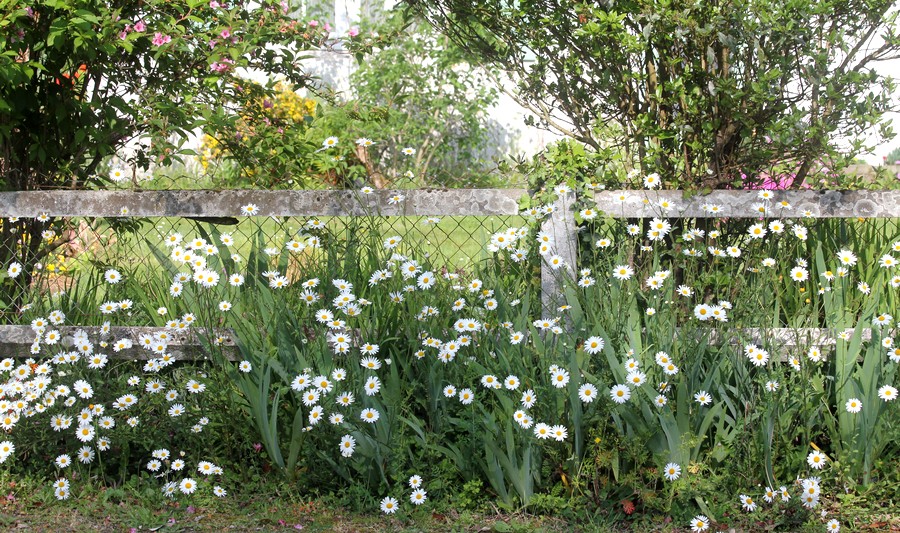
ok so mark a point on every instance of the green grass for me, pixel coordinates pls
(26, 504)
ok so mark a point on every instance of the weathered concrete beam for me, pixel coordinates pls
(416, 202)
(15, 341)
(743, 204)
(561, 228)
(426, 202)
(782, 337)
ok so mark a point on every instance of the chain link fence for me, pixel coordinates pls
(45, 258)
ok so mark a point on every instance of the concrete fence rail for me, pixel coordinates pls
(435, 202)
(15, 340)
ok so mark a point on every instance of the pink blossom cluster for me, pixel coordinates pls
(315, 24)
(140, 27)
(769, 182)
(159, 39)
(225, 35)
(221, 66)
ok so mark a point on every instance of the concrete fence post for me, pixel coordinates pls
(560, 226)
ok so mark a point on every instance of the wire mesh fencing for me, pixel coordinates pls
(69, 256)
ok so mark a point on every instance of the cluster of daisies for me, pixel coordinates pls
(197, 252)
(816, 355)
(701, 523)
(847, 260)
(315, 390)
(162, 465)
(809, 491)
(418, 495)
(510, 237)
(621, 393)
(63, 387)
(559, 378)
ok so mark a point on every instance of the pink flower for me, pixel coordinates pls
(226, 33)
(160, 39)
(769, 182)
(313, 23)
(222, 66)
(214, 4)
(327, 27)
(123, 35)
(140, 26)
(354, 31)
